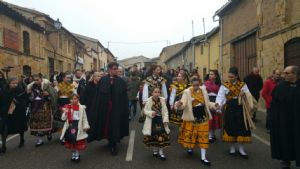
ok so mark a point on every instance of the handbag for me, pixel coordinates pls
(71, 133)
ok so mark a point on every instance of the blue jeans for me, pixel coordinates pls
(132, 108)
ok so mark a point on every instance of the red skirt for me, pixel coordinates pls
(79, 145)
(216, 121)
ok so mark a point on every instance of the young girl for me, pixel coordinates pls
(74, 131)
(156, 130)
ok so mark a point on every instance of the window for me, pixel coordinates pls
(26, 70)
(60, 41)
(69, 67)
(51, 66)
(26, 43)
(1, 38)
(11, 39)
(60, 66)
(201, 49)
(69, 46)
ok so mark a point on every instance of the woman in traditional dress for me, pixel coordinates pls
(13, 101)
(65, 90)
(177, 89)
(196, 114)
(237, 122)
(152, 81)
(156, 131)
(43, 104)
(212, 86)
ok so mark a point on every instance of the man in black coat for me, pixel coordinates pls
(285, 119)
(111, 116)
(255, 84)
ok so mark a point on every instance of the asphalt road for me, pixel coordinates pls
(97, 156)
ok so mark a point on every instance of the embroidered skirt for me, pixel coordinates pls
(40, 122)
(79, 145)
(159, 137)
(194, 134)
(234, 126)
(175, 116)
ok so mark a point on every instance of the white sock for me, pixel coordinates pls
(241, 149)
(161, 151)
(232, 148)
(211, 134)
(203, 154)
(40, 140)
(154, 150)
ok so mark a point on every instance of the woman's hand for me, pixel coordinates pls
(154, 114)
(86, 129)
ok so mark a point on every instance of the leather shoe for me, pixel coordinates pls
(245, 156)
(206, 162)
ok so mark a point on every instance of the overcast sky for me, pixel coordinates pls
(131, 21)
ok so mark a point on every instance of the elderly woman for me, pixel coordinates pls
(12, 112)
(43, 98)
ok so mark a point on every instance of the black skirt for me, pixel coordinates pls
(234, 119)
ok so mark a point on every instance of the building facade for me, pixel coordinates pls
(95, 57)
(50, 47)
(262, 33)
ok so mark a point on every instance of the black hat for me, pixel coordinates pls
(234, 70)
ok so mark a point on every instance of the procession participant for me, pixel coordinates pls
(75, 127)
(111, 115)
(285, 118)
(237, 118)
(255, 83)
(13, 101)
(154, 80)
(196, 114)
(65, 90)
(177, 89)
(132, 90)
(267, 91)
(156, 130)
(43, 104)
(212, 86)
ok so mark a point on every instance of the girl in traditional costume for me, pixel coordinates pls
(234, 97)
(212, 85)
(196, 114)
(177, 89)
(75, 127)
(156, 131)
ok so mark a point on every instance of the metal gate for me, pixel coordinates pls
(244, 54)
(292, 52)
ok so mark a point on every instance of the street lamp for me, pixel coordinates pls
(57, 26)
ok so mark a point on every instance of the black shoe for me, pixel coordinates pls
(162, 157)
(77, 159)
(212, 139)
(245, 156)
(39, 144)
(113, 151)
(2, 150)
(190, 151)
(155, 154)
(21, 144)
(49, 137)
(206, 162)
(232, 153)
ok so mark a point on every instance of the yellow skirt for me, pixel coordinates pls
(194, 134)
(236, 139)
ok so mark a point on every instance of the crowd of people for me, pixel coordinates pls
(89, 106)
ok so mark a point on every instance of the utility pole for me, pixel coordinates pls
(192, 28)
